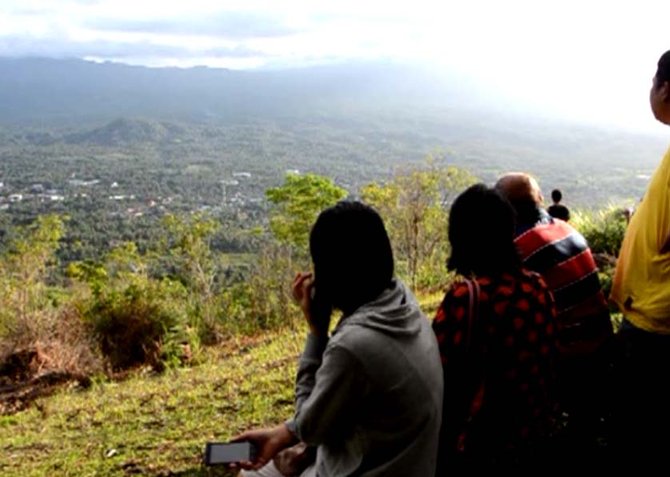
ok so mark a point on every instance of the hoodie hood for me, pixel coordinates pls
(394, 312)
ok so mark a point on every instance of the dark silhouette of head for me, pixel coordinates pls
(523, 192)
(659, 96)
(556, 196)
(663, 70)
(352, 256)
(481, 233)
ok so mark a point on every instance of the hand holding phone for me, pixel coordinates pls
(316, 311)
(302, 289)
(267, 443)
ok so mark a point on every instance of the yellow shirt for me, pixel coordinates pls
(641, 284)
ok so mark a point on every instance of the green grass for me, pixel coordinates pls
(155, 425)
(158, 425)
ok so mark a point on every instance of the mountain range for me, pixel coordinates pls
(50, 91)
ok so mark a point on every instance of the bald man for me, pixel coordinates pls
(559, 253)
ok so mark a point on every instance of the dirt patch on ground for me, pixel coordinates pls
(26, 375)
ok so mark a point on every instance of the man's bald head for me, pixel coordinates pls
(524, 193)
(520, 187)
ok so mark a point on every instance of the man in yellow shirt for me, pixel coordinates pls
(641, 289)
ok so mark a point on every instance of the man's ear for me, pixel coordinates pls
(665, 92)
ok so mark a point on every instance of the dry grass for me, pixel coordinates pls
(60, 341)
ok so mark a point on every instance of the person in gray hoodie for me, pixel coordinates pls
(369, 397)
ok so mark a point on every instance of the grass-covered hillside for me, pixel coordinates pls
(158, 424)
(151, 424)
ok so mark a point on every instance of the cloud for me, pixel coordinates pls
(41, 8)
(18, 46)
(230, 25)
(142, 32)
(292, 32)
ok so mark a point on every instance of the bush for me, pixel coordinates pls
(603, 229)
(140, 323)
(59, 341)
(263, 299)
(38, 319)
(24, 269)
(134, 318)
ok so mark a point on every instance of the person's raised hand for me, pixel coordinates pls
(301, 289)
(317, 313)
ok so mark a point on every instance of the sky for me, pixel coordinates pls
(588, 60)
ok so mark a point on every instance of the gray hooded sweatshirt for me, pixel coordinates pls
(370, 397)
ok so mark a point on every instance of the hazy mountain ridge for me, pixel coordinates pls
(128, 132)
(47, 90)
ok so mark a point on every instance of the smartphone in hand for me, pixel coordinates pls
(229, 452)
(320, 308)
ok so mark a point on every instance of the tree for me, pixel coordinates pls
(297, 203)
(24, 272)
(295, 207)
(187, 247)
(414, 205)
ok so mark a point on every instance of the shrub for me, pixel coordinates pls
(603, 229)
(263, 299)
(59, 340)
(134, 318)
(38, 319)
(24, 268)
(140, 323)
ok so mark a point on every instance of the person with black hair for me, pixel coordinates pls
(496, 331)
(370, 395)
(641, 290)
(558, 210)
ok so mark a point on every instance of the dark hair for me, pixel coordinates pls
(556, 195)
(481, 232)
(663, 71)
(352, 256)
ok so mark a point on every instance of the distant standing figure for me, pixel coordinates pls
(557, 210)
